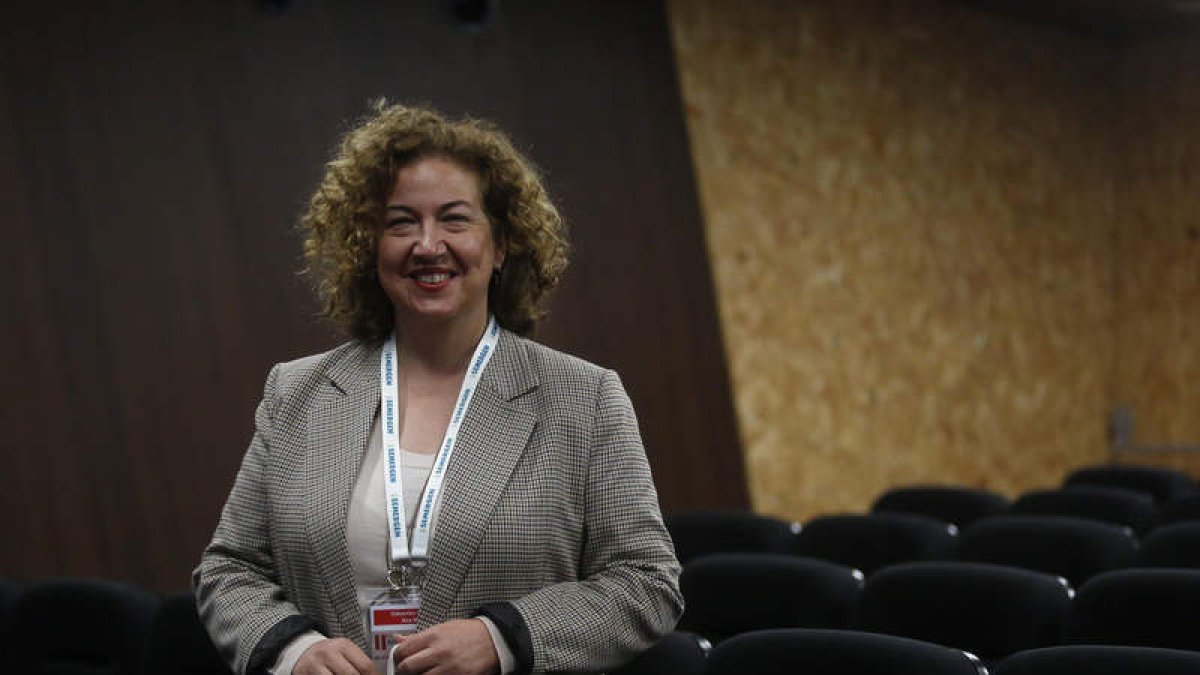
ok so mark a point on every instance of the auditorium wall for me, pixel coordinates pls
(1158, 248)
(931, 262)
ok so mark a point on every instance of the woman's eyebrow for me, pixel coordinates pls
(458, 202)
(444, 207)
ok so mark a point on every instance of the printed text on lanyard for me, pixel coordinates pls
(402, 558)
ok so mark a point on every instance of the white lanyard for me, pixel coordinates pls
(399, 552)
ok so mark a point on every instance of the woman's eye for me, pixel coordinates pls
(401, 225)
(457, 220)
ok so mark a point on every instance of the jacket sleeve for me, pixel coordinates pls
(628, 595)
(240, 599)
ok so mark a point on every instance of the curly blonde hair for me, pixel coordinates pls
(345, 216)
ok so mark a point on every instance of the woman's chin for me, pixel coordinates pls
(431, 313)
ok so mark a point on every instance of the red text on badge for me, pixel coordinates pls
(389, 616)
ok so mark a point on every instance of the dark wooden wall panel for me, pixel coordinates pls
(153, 160)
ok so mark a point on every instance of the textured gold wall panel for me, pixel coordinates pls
(1158, 258)
(910, 216)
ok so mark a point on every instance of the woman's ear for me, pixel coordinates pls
(501, 249)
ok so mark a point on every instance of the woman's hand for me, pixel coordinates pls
(337, 656)
(459, 647)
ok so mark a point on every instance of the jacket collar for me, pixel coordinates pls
(509, 374)
(357, 371)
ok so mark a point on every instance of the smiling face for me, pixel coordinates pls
(436, 252)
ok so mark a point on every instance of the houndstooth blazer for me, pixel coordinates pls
(548, 508)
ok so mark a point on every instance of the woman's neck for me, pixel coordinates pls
(442, 348)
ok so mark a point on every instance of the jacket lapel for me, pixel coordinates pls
(339, 425)
(493, 435)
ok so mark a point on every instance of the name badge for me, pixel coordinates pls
(390, 614)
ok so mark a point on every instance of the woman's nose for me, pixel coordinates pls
(430, 242)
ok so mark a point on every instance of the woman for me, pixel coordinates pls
(536, 543)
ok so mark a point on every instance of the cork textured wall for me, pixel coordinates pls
(911, 210)
(1158, 252)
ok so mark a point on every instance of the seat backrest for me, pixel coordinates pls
(1173, 545)
(730, 593)
(989, 610)
(1161, 484)
(10, 590)
(1118, 506)
(677, 653)
(1073, 548)
(1100, 660)
(114, 622)
(1183, 507)
(178, 643)
(835, 652)
(697, 533)
(1150, 607)
(868, 542)
(957, 505)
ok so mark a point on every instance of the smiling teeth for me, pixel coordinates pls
(432, 278)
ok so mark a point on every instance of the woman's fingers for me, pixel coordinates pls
(459, 647)
(337, 656)
(358, 660)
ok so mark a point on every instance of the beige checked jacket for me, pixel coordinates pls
(548, 505)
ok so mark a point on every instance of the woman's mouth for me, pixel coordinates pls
(431, 280)
(436, 278)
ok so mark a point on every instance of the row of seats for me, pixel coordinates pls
(102, 627)
(844, 652)
(1075, 531)
(1071, 547)
(1139, 497)
(992, 611)
(699, 532)
(1119, 506)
